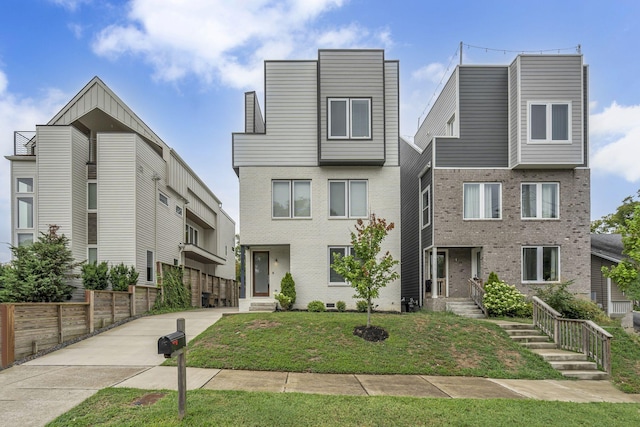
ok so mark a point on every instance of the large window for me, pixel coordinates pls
(25, 212)
(92, 196)
(549, 121)
(335, 278)
(426, 206)
(284, 191)
(349, 118)
(150, 263)
(191, 235)
(482, 200)
(24, 185)
(540, 264)
(348, 199)
(541, 200)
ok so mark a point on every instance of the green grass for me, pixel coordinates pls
(625, 360)
(114, 407)
(418, 343)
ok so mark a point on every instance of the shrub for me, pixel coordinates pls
(570, 306)
(502, 299)
(174, 294)
(118, 277)
(288, 287)
(362, 306)
(341, 306)
(283, 300)
(95, 276)
(132, 276)
(493, 278)
(316, 306)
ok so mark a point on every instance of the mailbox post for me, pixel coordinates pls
(174, 344)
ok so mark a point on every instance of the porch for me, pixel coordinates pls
(262, 269)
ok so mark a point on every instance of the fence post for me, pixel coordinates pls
(60, 331)
(7, 334)
(132, 300)
(113, 307)
(556, 331)
(89, 297)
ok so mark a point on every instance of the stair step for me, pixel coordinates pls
(586, 375)
(530, 338)
(514, 326)
(523, 332)
(571, 365)
(556, 355)
(539, 345)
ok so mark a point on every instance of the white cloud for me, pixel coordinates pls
(19, 114)
(69, 4)
(615, 141)
(433, 72)
(227, 41)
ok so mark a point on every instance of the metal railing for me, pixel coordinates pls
(24, 143)
(582, 336)
(476, 293)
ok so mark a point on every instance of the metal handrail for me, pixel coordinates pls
(24, 143)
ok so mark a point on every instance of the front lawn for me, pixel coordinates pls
(418, 343)
(120, 407)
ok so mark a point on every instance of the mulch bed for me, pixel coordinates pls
(371, 333)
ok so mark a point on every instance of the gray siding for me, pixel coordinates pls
(585, 114)
(291, 119)
(552, 78)
(482, 121)
(514, 116)
(445, 106)
(392, 113)
(55, 172)
(253, 121)
(117, 199)
(352, 74)
(412, 163)
(79, 158)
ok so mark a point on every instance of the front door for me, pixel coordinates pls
(260, 274)
(442, 270)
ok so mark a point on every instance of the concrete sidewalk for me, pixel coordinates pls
(38, 391)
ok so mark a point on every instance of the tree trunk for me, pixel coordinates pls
(368, 313)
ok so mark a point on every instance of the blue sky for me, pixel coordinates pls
(183, 66)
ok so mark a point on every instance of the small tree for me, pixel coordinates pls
(364, 271)
(95, 276)
(627, 273)
(288, 287)
(119, 277)
(40, 271)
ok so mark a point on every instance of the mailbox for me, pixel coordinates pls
(171, 343)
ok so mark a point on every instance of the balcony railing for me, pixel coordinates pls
(24, 143)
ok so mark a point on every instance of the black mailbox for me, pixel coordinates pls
(171, 343)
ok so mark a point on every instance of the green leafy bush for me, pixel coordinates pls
(118, 277)
(283, 300)
(174, 294)
(493, 278)
(341, 306)
(316, 306)
(288, 288)
(95, 276)
(570, 306)
(362, 306)
(502, 299)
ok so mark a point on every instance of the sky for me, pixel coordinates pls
(183, 65)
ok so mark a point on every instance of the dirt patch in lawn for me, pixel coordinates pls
(371, 333)
(148, 399)
(263, 324)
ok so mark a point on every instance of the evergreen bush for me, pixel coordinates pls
(288, 287)
(119, 277)
(95, 276)
(316, 306)
(341, 306)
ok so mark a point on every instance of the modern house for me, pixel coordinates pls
(497, 179)
(117, 191)
(606, 251)
(323, 155)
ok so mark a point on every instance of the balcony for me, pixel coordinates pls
(198, 254)
(24, 143)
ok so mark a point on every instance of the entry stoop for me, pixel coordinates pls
(266, 306)
(465, 308)
(568, 363)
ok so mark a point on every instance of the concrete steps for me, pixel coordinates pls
(267, 306)
(465, 308)
(568, 363)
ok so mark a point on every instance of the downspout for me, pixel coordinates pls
(243, 289)
(155, 179)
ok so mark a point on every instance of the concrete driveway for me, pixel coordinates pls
(40, 390)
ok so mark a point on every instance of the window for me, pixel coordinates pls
(549, 121)
(482, 201)
(92, 196)
(150, 266)
(163, 199)
(25, 212)
(92, 255)
(283, 191)
(191, 235)
(541, 264)
(541, 200)
(451, 126)
(25, 185)
(348, 199)
(335, 278)
(178, 210)
(25, 239)
(349, 118)
(426, 206)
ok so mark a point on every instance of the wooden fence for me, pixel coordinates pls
(26, 328)
(222, 292)
(582, 336)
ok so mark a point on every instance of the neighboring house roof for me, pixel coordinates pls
(607, 246)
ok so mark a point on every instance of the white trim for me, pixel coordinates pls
(539, 264)
(346, 248)
(347, 198)
(474, 263)
(160, 195)
(549, 122)
(348, 119)
(539, 217)
(428, 207)
(481, 201)
(291, 189)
